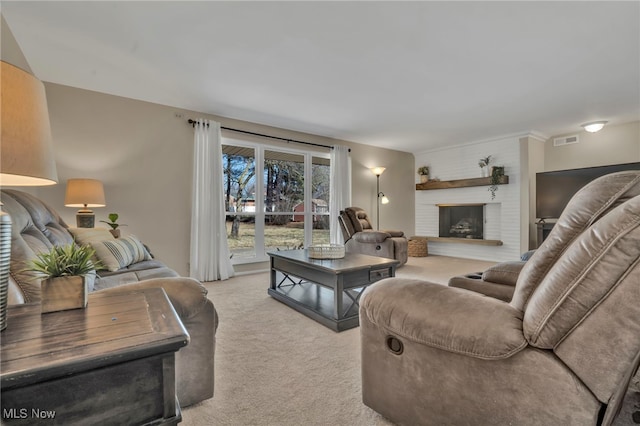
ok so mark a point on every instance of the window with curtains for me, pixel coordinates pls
(276, 199)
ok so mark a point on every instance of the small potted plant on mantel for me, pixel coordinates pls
(67, 273)
(424, 174)
(113, 223)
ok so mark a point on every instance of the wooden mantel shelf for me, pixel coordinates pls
(460, 183)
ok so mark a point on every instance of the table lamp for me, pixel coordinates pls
(84, 193)
(26, 152)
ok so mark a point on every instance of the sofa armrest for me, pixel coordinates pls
(474, 282)
(504, 273)
(195, 362)
(447, 318)
(187, 295)
(394, 233)
(371, 236)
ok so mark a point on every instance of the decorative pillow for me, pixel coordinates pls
(119, 253)
(86, 236)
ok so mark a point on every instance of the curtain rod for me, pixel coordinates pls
(193, 123)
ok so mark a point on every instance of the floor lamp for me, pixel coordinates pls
(381, 198)
(26, 152)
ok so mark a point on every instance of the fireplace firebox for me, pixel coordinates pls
(461, 221)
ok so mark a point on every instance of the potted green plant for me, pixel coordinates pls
(424, 174)
(496, 176)
(113, 223)
(484, 163)
(67, 273)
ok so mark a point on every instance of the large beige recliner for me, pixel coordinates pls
(561, 352)
(360, 237)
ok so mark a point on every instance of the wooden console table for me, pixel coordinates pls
(112, 363)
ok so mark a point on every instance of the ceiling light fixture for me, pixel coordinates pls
(594, 126)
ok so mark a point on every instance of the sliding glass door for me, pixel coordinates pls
(277, 199)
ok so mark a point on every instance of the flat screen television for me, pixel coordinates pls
(555, 189)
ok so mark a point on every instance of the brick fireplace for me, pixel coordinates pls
(506, 217)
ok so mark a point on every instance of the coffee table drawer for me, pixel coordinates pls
(378, 274)
(354, 279)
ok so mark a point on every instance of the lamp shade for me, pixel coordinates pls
(84, 193)
(26, 156)
(378, 170)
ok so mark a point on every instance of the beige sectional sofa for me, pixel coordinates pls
(36, 227)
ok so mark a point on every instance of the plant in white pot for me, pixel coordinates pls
(67, 273)
(484, 165)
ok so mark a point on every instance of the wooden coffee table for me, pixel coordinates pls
(326, 290)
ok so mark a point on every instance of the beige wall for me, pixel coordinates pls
(9, 50)
(614, 144)
(143, 153)
(532, 163)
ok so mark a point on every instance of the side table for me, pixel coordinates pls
(112, 363)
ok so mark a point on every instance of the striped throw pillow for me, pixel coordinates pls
(119, 253)
(86, 236)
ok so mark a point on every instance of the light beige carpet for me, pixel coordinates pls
(277, 367)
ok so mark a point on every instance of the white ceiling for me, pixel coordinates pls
(402, 75)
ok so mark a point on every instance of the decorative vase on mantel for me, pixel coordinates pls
(423, 172)
(484, 166)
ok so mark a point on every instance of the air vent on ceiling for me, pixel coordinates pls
(567, 140)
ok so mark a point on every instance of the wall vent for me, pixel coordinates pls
(567, 140)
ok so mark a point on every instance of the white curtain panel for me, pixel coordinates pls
(340, 187)
(210, 259)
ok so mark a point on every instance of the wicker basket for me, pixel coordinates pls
(418, 247)
(326, 251)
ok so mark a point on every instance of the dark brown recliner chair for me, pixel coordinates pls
(360, 237)
(561, 352)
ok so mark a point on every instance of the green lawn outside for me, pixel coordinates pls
(276, 236)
